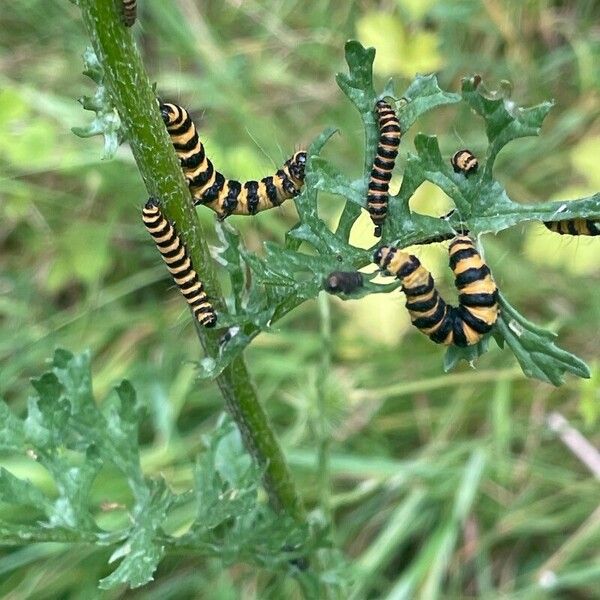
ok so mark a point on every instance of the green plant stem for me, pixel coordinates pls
(132, 94)
(323, 436)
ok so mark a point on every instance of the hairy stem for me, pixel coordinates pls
(129, 86)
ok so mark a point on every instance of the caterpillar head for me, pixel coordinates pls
(380, 256)
(332, 282)
(297, 164)
(168, 112)
(464, 161)
(209, 319)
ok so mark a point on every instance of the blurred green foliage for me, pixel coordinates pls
(75, 441)
(451, 485)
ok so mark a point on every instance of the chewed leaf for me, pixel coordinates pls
(433, 168)
(306, 203)
(537, 354)
(142, 551)
(422, 95)
(358, 83)
(505, 120)
(358, 87)
(319, 142)
(329, 179)
(483, 206)
(505, 213)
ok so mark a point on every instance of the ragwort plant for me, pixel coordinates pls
(73, 439)
(286, 276)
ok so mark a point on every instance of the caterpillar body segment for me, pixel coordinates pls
(427, 309)
(477, 310)
(129, 12)
(574, 227)
(210, 188)
(178, 262)
(464, 161)
(383, 165)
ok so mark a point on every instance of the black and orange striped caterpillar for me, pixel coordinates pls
(464, 161)
(574, 227)
(383, 165)
(129, 12)
(210, 188)
(477, 310)
(178, 262)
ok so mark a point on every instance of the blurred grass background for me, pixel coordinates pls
(438, 485)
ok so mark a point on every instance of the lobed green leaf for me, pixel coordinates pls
(69, 435)
(143, 549)
(534, 348)
(421, 96)
(18, 491)
(504, 119)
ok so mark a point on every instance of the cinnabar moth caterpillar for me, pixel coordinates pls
(383, 165)
(178, 262)
(129, 12)
(343, 281)
(464, 161)
(574, 227)
(477, 310)
(210, 188)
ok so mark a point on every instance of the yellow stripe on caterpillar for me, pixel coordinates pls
(477, 310)
(210, 188)
(179, 263)
(383, 165)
